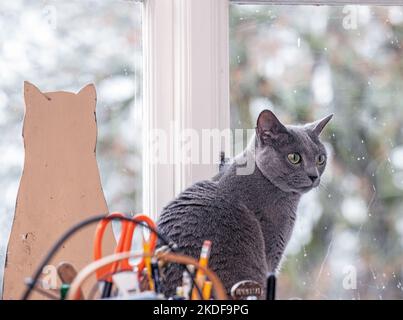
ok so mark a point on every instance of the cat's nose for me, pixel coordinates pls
(313, 178)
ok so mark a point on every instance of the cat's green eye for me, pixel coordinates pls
(294, 158)
(321, 159)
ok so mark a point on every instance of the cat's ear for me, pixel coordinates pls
(268, 126)
(89, 94)
(32, 94)
(318, 126)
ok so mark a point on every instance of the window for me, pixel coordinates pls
(63, 45)
(302, 61)
(305, 62)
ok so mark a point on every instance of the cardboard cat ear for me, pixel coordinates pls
(268, 126)
(88, 93)
(318, 126)
(32, 94)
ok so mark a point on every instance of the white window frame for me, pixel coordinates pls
(186, 81)
(322, 2)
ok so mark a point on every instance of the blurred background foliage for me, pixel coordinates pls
(305, 62)
(64, 45)
(300, 61)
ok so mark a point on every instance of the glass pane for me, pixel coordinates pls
(305, 62)
(64, 45)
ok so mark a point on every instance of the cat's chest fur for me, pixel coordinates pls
(274, 209)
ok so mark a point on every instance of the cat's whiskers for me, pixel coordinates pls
(323, 186)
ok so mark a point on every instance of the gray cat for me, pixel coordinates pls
(248, 217)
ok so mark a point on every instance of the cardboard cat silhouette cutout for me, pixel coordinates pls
(60, 185)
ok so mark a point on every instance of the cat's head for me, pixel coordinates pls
(291, 157)
(63, 122)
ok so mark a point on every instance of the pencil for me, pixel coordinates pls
(208, 285)
(203, 261)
